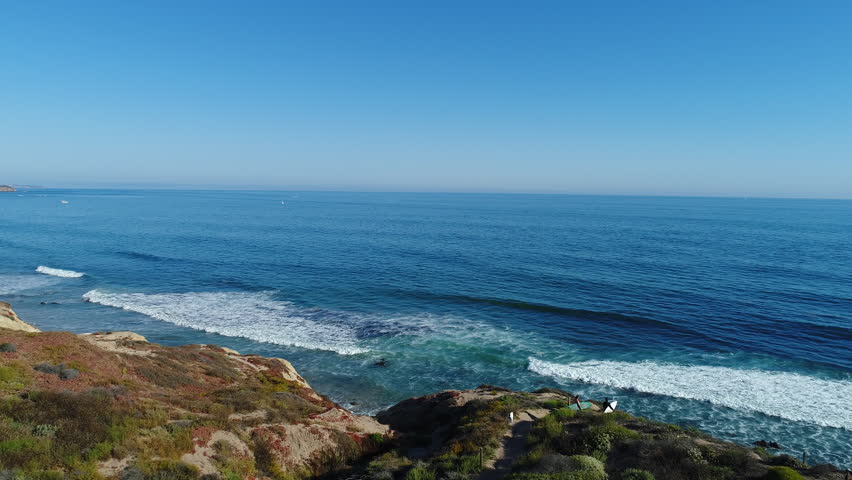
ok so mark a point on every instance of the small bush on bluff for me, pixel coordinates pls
(762, 452)
(546, 430)
(420, 472)
(738, 459)
(563, 414)
(81, 419)
(8, 348)
(62, 371)
(636, 474)
(168, 470)
(785, 460)
(586, 464)
(386, 465)
(782, 473)
(554, 463)
(13, 376)
(554, 403)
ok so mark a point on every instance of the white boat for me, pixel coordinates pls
(64, 201)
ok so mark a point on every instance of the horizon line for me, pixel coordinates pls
(332, 189)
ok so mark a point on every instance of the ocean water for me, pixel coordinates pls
(732, 315)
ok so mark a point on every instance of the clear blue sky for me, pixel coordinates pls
(723, 98)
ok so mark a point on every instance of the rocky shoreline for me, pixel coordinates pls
(113, 405)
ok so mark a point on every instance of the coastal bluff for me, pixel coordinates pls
(10, 321)
(114, 405)
(7, 188)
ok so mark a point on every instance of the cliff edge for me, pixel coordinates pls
(113, 405)
(10, 321)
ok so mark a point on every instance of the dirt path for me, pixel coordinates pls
(514, 445)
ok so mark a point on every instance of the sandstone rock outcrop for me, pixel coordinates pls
(209, 408)
(10, 321)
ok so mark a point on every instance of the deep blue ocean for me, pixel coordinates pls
(730, 314)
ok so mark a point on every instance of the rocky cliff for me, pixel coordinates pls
(6, 188)
(10, 321)
(113, 405)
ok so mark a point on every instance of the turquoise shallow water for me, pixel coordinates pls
(733, 315)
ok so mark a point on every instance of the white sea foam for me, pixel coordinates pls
(14, 284)
(782, 394)
(58, 272)
(256, 316)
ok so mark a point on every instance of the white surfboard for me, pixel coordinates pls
(611, 407)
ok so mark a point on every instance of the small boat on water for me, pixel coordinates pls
(64, 201)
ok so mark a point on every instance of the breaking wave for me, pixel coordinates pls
(256, 316)
(58, 272)
(782, 394)
(17, 284)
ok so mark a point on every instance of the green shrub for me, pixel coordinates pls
(168, 470)
(558, 476)
(546, 429)
(45, 430)
(636, 474)
(762, 452)
(619, 416)
(162, 443)
(13, 376)
(531, 458)
(782, 473)
(81, 420)
(599, 439)
(585, 463)
(165, 372)
(8, 347)
(231, 463)
(388, 463)
(554, 403)
(785, 460)
(563, 414)
(420, 471)
(738, 459)
(554, 463)
(469, 464)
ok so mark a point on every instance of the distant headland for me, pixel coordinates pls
(7, 188)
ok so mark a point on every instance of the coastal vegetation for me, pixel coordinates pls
(112, 405)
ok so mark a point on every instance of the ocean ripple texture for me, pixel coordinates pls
(733, 315)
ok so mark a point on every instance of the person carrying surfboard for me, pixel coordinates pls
(609, 407)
